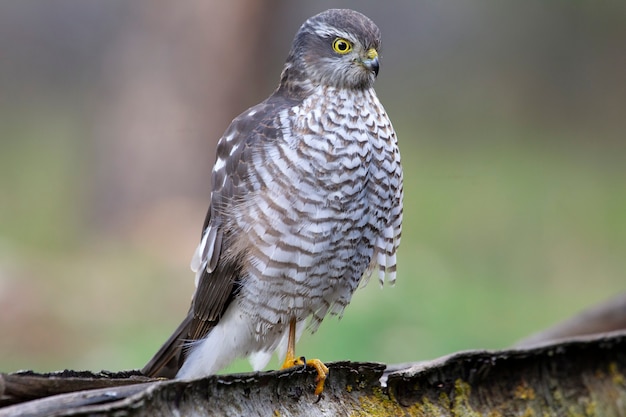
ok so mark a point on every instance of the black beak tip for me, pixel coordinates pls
(372, 65)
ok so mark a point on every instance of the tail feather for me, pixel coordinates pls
(169, 358)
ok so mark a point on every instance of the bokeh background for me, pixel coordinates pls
(511, 118)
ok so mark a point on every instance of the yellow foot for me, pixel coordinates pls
(322, 370)
(291, 360)
(322, 373)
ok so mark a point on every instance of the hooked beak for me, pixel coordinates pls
(371, 62)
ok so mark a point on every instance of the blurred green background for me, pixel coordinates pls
(511, 118)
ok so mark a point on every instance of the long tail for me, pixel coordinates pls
(168, 360)
(214, 293)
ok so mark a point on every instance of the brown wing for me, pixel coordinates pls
(219, 270)
(214, 293)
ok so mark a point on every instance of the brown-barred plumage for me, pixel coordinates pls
(306, 200)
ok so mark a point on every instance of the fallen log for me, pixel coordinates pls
(584, 376)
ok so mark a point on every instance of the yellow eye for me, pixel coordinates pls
(342, 46)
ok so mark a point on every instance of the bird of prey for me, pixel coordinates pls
(306, 202)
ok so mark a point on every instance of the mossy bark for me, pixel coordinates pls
(582, 377)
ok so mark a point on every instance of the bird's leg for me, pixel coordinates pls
(291, 360)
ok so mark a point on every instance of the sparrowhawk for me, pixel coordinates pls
(306, 201)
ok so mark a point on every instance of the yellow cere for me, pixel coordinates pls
(371, 53)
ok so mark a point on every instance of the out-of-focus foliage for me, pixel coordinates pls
(511, 121)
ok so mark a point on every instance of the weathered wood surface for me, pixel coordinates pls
(27, 385)
(581, 377)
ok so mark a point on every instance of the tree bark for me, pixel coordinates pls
(584, 376)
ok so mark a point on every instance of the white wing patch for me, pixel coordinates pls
(207, 253)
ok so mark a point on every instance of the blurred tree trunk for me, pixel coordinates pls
(171, 84)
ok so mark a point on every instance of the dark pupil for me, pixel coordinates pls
(342, 46)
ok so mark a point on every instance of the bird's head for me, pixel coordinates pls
(337, 48)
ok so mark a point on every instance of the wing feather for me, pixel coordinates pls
(218, 269)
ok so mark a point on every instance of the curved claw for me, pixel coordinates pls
(322, 370)
(291, 360)
(322, 374)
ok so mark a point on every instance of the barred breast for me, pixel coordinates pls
(325, 209)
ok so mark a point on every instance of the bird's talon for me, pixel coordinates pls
(319, 388)
(322, 374)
